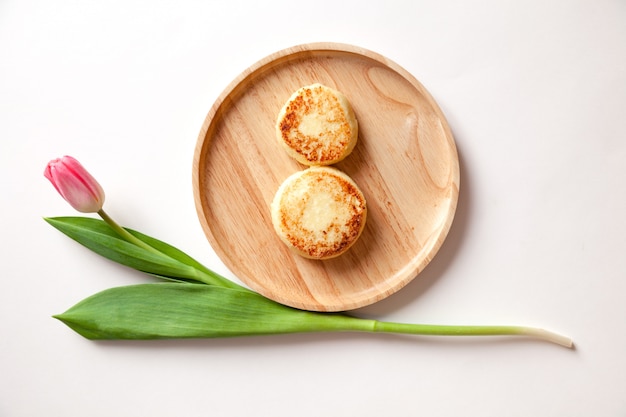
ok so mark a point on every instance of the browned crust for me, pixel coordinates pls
(330, 146)
(337, 238)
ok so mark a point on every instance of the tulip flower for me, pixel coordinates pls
(79, 188)
(84, 193)
(75, 184)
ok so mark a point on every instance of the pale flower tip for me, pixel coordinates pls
(549, 336)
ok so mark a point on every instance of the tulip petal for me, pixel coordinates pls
(75, 184)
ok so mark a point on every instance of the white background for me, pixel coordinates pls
(535, 93)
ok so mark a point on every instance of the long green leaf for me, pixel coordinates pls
(173, 264)
(98, 237)
(166, 310)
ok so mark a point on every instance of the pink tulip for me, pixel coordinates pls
(75, 184)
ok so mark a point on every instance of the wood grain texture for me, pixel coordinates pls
(405, 162)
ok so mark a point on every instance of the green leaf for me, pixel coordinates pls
(172, 311)
(167, 310)
(99, 237)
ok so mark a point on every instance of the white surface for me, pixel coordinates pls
(535, 93)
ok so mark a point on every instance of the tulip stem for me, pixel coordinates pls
(204, 275)
(125, 233)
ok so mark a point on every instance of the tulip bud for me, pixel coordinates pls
(75, 184)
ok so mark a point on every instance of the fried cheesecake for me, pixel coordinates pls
(317, 126)
(319, 212)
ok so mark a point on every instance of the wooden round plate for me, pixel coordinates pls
(405, 162)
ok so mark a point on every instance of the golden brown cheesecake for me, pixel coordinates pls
(319, 212)
(317, 126)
